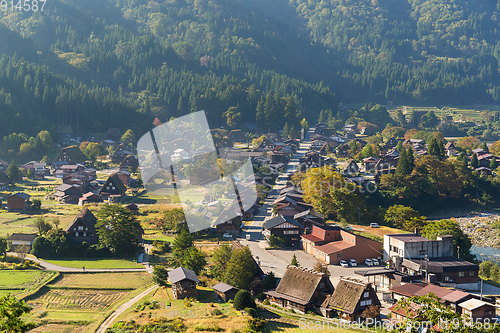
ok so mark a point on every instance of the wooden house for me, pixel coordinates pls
(370, 163)
(113, 134)
(237, 135)
(18, 202)
(300, 289)
(68, 193)
(129, 163)
(82, 229)
(183, 282)
(478, 310)
(351, 168)
(120, 153)
(308, 219)
(22, 240)
(71, 154)
(224, 292)
(450, 149)
(350, 298)
(282, 226)
(89, 197)
(401, 314)
(112, 187)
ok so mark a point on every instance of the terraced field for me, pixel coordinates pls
(79, 302)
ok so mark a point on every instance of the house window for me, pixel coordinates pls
(84, 234)
(366, 294)
(113, 187)
(488, 312)
(366, 302)
(76, 234)
(80, 227)
(472, 273)
(193, 286)
(461, 274)
(339, 255)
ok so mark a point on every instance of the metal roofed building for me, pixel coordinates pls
(413, 254)
(183, 283)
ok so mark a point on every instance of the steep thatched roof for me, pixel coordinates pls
(86, 217)
(300, 283)
(346, 295)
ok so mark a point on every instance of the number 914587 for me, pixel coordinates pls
(22, 5)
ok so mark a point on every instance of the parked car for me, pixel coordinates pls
(226, 235)
(391, 301)
(348, 228)
(353, 262)
(343, 263)
(368, 262)
(374, 225)
(375, 262)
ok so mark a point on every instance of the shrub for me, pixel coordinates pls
(208, 328)
(251, 312)
(243, 300)
(260, 297)
(215, 312)
(256, 324)
(266, 302)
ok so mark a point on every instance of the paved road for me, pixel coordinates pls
(107, 323)
(268, 259)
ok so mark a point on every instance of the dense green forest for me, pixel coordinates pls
(115, 63)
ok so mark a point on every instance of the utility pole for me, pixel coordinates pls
(481, 278)
(359, 219)
(458, 252)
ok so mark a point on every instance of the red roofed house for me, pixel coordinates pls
(330, 244)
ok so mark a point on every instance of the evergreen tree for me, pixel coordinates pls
(485, 147)
(403, 167)
(399, 146)
(180, 245)
(294, 261)
(12, 172)
(493, 163)
(411, 159)
(463, 158)
(474, 162)
(436, 148)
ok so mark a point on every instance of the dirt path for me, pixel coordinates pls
(122, 308)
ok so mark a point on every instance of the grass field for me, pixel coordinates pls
(104, 280)
(20, 282)
(205, 312)
(96, 263)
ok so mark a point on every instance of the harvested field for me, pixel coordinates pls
(80, 299)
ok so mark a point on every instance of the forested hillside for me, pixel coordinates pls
(115, 63)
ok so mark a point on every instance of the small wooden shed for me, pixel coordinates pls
(224, 291)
